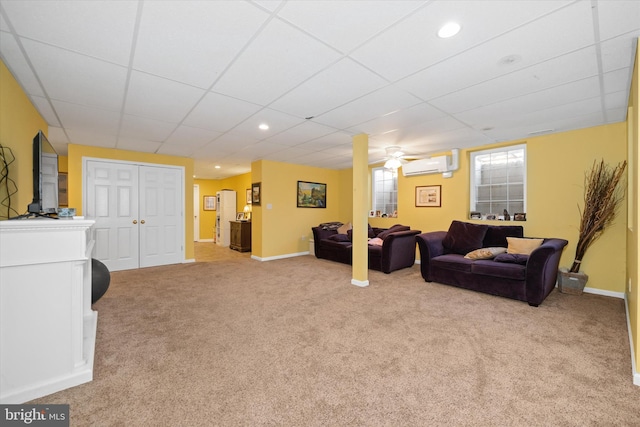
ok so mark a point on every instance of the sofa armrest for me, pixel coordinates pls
(430, 246)
(318, 234)
(542, 270)
(399, 250)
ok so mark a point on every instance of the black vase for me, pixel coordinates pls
(100, 278)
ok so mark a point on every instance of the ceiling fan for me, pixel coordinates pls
(395, 157)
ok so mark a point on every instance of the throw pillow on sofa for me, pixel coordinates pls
(512, 258)
(485, 253)
(464, 237)
(339, 238)
(522, 246)
(393, 229)
(344, 228)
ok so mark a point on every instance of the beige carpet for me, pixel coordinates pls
(237, 342)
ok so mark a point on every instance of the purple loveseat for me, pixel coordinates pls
(398, 248)
(527, 278)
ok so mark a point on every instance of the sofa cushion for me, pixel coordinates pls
(452, 262)
(464, 237)
(499, 269)
(512, 258)
(339, 238)
(485, 253)
(522, 246)
(344, 228)
(497, 235)
(393, 229)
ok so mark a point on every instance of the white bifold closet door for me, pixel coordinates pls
(138, 211)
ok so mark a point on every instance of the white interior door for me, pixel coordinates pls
(138, 211)
(196, 213)
(160, 216)
(112, 201)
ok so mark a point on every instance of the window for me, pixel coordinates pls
(498, 181)
(385, 191)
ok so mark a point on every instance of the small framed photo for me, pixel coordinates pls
(209, 203)
(255, 193)
(248, 196)
(475, 215)
(492, 216)
(519, 216)
(429, 196)
(240, 216)
(372, 214)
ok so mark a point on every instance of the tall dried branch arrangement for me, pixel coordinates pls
(602, 197)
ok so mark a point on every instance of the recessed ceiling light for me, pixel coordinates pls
(263, 126)
(449, 29)
(217, 166)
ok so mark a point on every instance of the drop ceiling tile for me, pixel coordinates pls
(529, 45)
(45, 110)
(217, 31)
(616, 100)
(342, 82)
(144, 128)
(618, 52)
(298, 134)
(346, 24)
(489, 115)
(408, 117)
(136, 144)
(158, 98)
(574, 66)
(70, 77)
(278, 60)
(102, 29)
(80, 117)
(405, 49)
(220, 113)
(14, 59)
(617, 17)
(615, 81)
(384, 101)
(58, 139)
(276, 120)
(270, 5)
(91, 138)
(191, 137)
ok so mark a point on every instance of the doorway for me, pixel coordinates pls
(139, 213)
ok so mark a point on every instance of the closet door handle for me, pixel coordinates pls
(135, 221)
(142, 222)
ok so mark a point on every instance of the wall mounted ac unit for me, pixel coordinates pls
(437, 164)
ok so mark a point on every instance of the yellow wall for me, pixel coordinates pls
(19, 123)
(77, 152)
(633, 233)
(278, 226)
(209, 187)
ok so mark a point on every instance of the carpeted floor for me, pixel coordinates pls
(237, 342)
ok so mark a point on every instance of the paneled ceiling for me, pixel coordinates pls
(197, 78)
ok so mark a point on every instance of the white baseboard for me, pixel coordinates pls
(187, 261)
(271, 258)
(360, 283)
(206, 240)
(634, 371)
(596, 291)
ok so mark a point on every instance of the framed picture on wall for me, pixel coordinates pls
(248, 202)
(429, 196)
(311, 195)
(255, 193)
(209, 203)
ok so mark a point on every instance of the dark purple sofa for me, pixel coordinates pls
(398, 248)
(527, 278)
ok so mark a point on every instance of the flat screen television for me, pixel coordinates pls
(45, 178)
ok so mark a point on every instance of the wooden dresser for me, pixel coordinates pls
(240, 236)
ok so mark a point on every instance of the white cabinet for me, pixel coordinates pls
(226, 211)
(47, 326)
